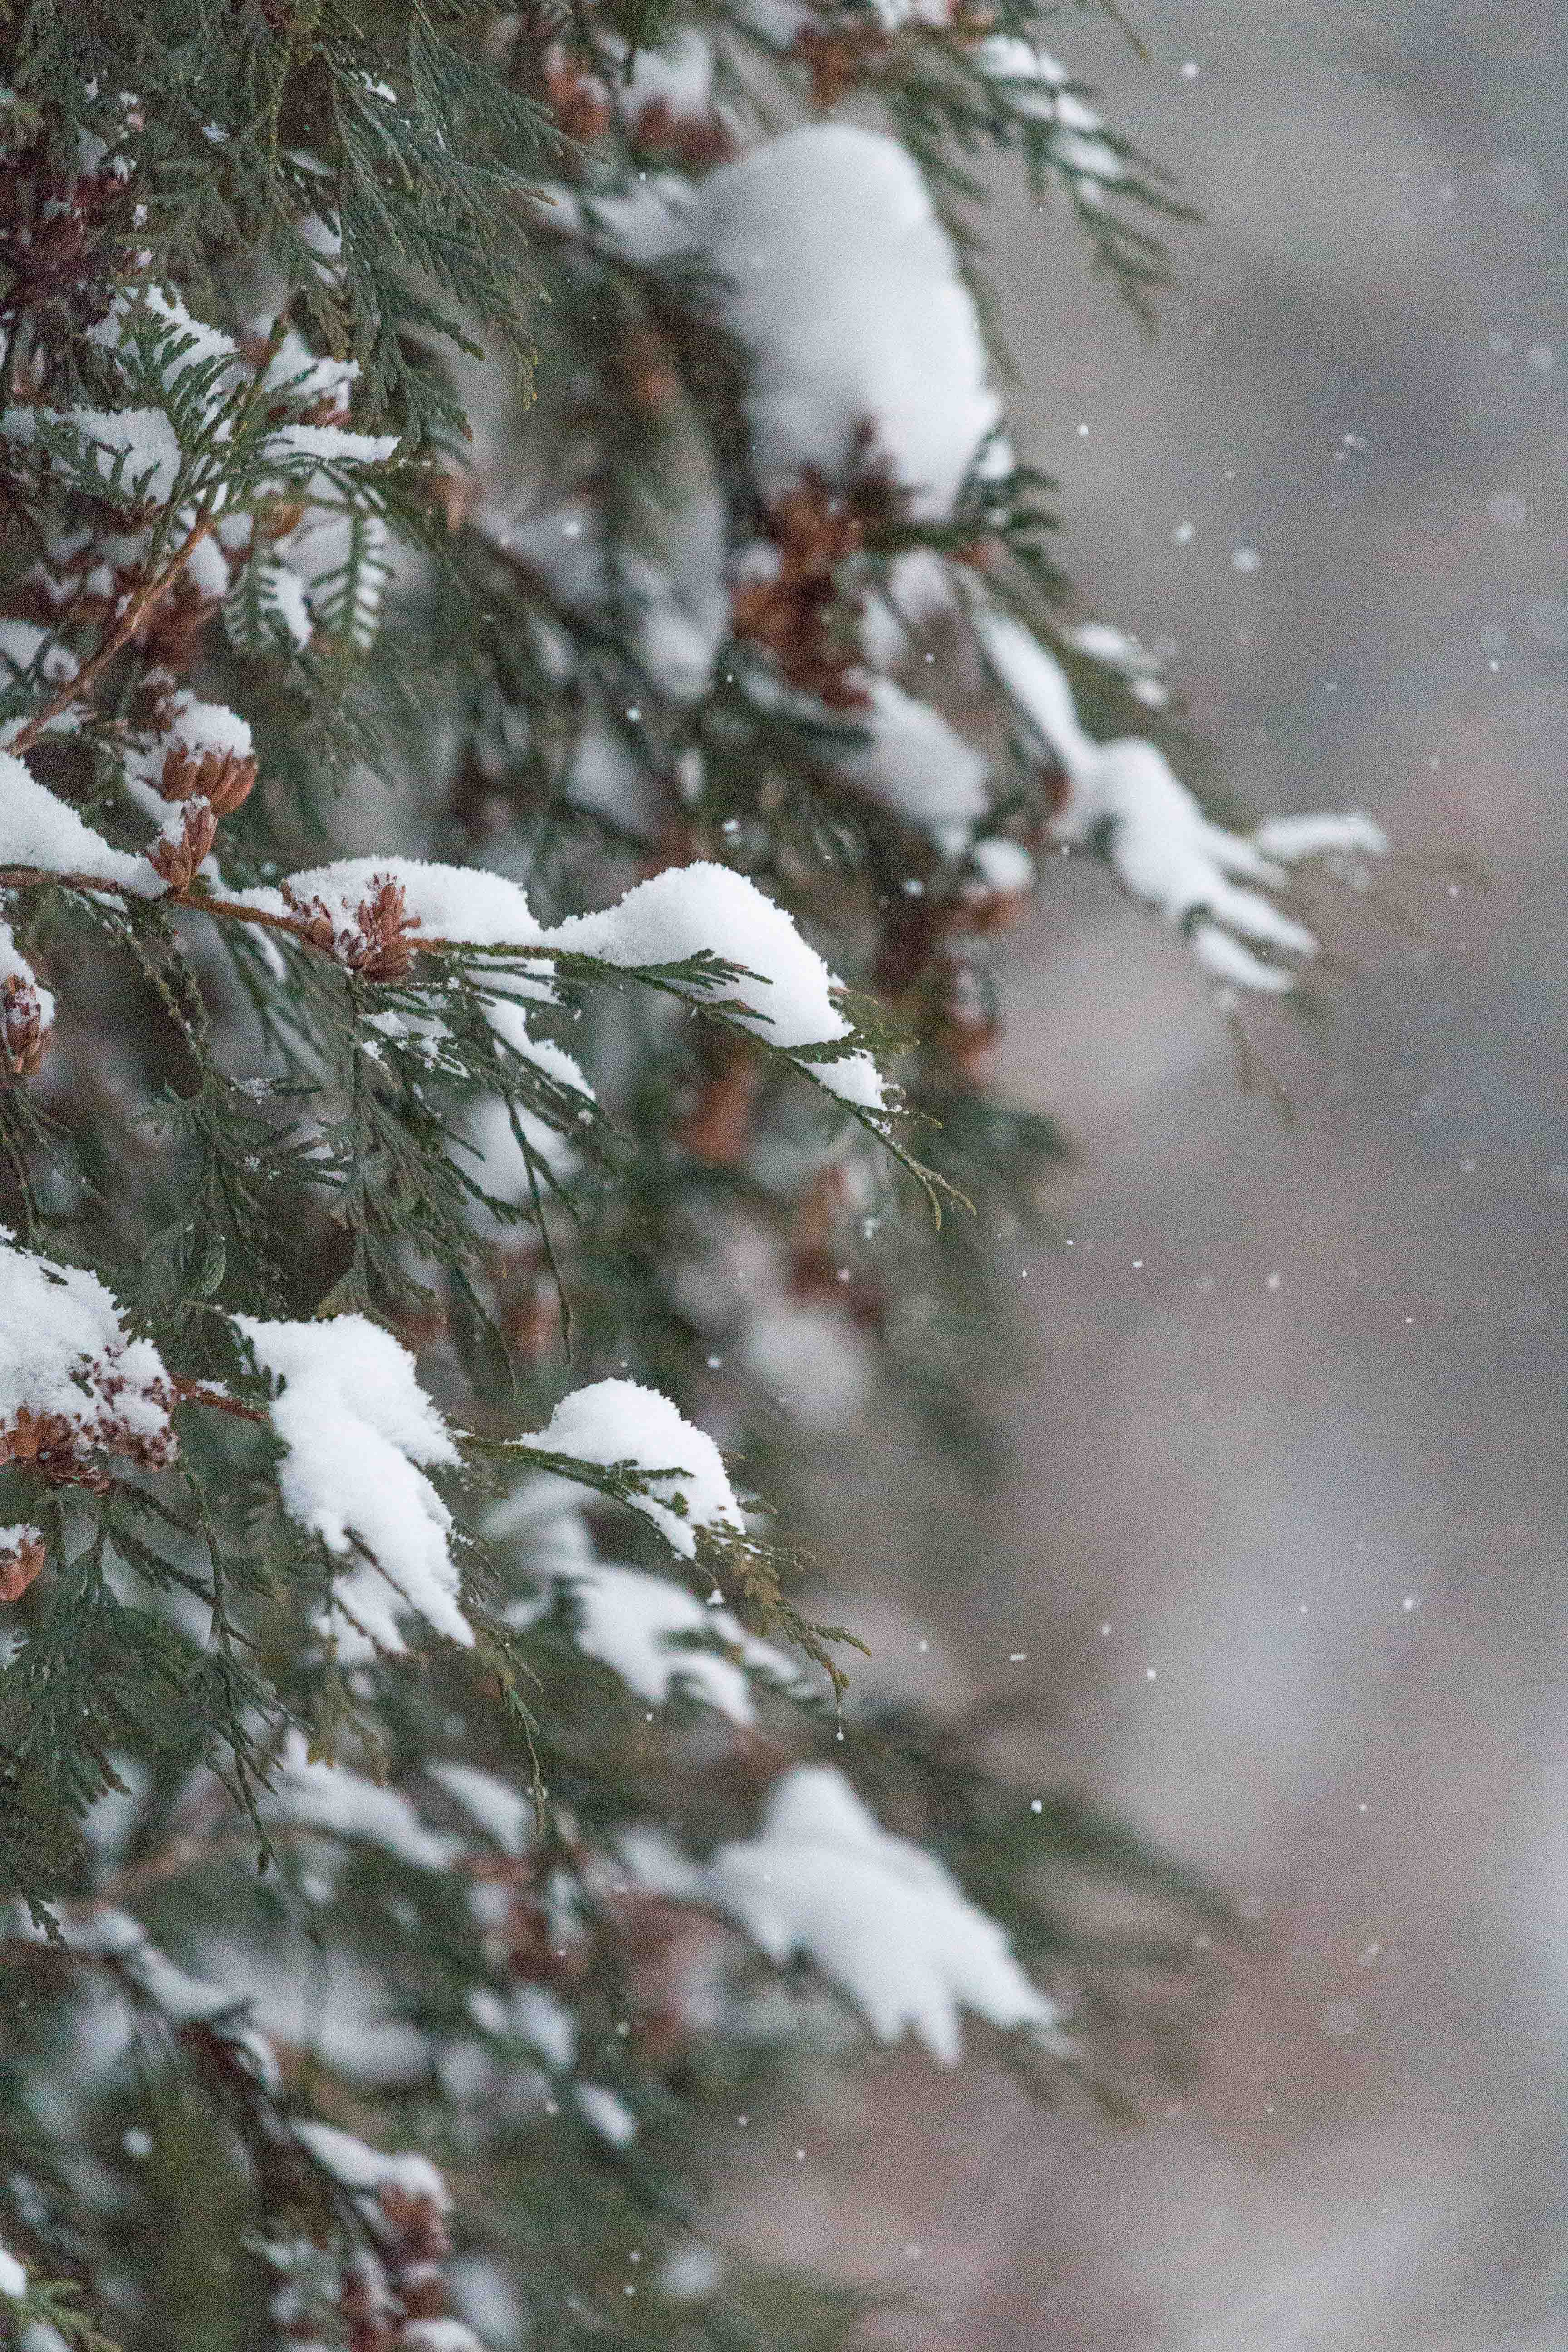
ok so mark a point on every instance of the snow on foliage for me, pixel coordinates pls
(13, 2276)
(73, 1383)
(646, 1630)
(366, 2170)
(884, 1921)
(842, 284)
(37, 829)
(786, 993)
(1036, 86)
(916, 764)
(355, 1426)
(1160, 843)
(444, 902)
(343, 1804)
(136, 450)
(620, 1425)
(502, 1811)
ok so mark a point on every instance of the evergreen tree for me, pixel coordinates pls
(513, 581)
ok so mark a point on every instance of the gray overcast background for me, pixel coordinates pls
(1305, 1460)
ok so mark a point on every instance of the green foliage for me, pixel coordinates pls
(338, 440)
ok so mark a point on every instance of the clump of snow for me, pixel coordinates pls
(915, 763)
(280, 593)
(1291, 839)
(137, 447)
(68, 1365)
(843, 287)
(182, 341)
(355, 1425)
(23, 647)
(1004, 866)
(293, 445)
(1036, 85)
(609, 2116)
(884, 1921)
(641, 1627)
(438, 2335)
(623, 1426)
(1124, 795)
(503, 1812)
(38, 830)
(299, 375)
(789, 999)
(366, 2170)
(447, 902)
(343, 1804)
(13, 2276)
(201, 727)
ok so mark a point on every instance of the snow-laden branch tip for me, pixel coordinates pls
(674, 1473)
(74, 1383)
(1124, 796)
(343, 1804)
(783, 992)
(865, 351)
(657, 1636)
(881, 1919)
(365, 2171)
(36, 829)
(358, 1431)
(13, 2276)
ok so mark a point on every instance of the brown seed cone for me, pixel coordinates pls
(20, 1564)
(222, 778)
(178, 861)
(48, 1442)
(383, 949)
(22, 1030)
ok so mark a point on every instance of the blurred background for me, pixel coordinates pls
(1283, 1552)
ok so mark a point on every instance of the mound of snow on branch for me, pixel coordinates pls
(884, 1921)
(785, 994)
(842, 284)
(1160, 843)
(620, 1425)
(72, 1380)
(37, 829)
(354, 1424)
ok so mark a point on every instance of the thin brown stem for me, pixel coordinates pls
(218, 1400)
(139, 605)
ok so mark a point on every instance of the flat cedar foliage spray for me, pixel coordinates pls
(529, 682)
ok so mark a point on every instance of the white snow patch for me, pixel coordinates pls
(882, 1919)
(354, 1424)
(844, 287)
(37, 829)
(143, 437)
(1160, 843)
(640, 1626)
(330, 1798)
(65, 1354)
(503, 1812)
(609, 2116)
(915, 763)
(364, 2169)
(621, 1424)
(788, 1002)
